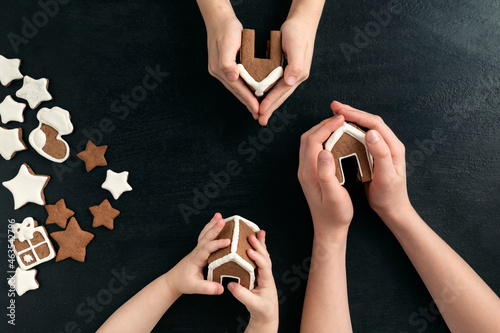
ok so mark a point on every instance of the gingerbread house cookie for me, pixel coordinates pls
(233, 261)
(260, 74)
(349, 140)
(31, 244)
(46, 138)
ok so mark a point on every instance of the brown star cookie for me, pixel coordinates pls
(93, 156)
(72, 241)
(104, 215)
(59, 214)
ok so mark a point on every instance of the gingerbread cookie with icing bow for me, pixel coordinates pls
(260, 74)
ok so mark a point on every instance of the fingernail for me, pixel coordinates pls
(231, 76)
(291, 80)
(372, 137)
(230, 286)
(251, 251)
(325, 157)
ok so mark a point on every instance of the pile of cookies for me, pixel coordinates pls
(30, 242)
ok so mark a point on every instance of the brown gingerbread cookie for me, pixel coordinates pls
(233, 261)
(58, 213)
(349, 140)
(93, 156)
(104, 214)
(72, 242)
(258, 73)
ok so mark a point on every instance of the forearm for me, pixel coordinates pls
(214, 10)
(308, 9)
(326, 306)
(143, 311)
(466, 303)
(257, 327)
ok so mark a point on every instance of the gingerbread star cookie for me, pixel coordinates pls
(9, 70)
(27, 187)
(11, 142)
(116, 183)
(24, 281)
(104, 215)
(93, 156)
(34, 91)
(10, 110)
(59, 214)
(72, 242)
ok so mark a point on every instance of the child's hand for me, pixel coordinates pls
(298, 45)
(224, 42)
(187, 276)
(261, 302)
(387, 192)
(330, 204)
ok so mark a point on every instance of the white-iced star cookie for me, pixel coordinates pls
(116, 183)
(11, 142)
(27, 187)
(9, 70)
(10, 110)
(34, 91)
(24, 281)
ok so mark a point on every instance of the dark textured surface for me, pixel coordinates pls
(432, 73)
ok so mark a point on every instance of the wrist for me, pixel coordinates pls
(262, 326)
(214, 11)
(306, 10)
(169, 286)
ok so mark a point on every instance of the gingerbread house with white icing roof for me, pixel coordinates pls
(347, 141)
(233, 262)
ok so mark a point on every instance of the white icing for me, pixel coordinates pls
(233, 255)
(34, 91)
(60, 120)
(229, 276)
(26, 187)
(24, 232)
(28, 258)
(116, 183)
(260, 87)
(10, 142)
(358, 135)
(10, 110)
(9, 70)
(23, 281)
(39, 138)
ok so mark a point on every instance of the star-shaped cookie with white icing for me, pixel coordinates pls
(11, 142)
(10, 110)
(34, 91)
(24, 281)
(27, 187)
(9, 70)
(116, 183)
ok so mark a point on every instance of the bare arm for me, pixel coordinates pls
(326, 307)
(463, 298)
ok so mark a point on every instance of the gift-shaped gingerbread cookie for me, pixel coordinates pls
(233, 262)
(46, 138)
(349, 140)
(260, 74)
(31, 244)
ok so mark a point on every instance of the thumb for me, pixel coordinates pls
(326, 174)
(293, 71)
(381, 154)
(207, 288)
(228, 49)
(242, 294)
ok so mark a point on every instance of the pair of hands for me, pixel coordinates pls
(224, 42)
(187, 276)
(330, 204)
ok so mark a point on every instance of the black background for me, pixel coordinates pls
(432, 74)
